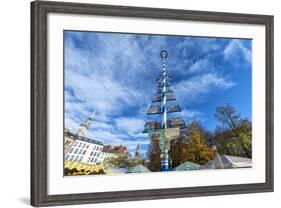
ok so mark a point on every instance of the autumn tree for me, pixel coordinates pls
(198, 150)
(193, 148)
(154, 160)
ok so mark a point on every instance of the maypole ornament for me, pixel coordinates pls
(163, 54)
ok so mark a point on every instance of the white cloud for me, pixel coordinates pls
(100, 125)
(198, 86)
(235, 48)
(132, 126)
(75, 107)
(103, 94)
(200, 66)
(105, 79)
(107, 136)
(71, 124)
(190, 114)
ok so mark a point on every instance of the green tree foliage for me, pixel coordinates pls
(123, 162)
(193, 148)
(234, 135)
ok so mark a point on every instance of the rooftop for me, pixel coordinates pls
(85, 139)
(115, 149)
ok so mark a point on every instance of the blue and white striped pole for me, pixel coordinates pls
(164, 155)
(163, 106)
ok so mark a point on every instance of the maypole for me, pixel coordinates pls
(163, 103)
(164, 146)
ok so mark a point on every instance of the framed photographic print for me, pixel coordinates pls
(132, 103)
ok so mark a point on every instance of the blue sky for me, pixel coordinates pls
(114, 74)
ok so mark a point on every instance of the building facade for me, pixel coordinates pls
(68, 140)
(79, 148)
(84, 150)
(110, 151)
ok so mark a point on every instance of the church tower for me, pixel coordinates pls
(137, 153)
(83, 128)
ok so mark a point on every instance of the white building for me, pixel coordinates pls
(68, 140)
(106, 155)
(84, 150)
(79, 148)
(91, 151)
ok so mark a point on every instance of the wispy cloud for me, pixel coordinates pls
(198, 87)
(190, 114)
(236, 49)
(133, 126)
(201, 65)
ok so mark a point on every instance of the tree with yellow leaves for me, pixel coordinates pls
(197, 150)
(194, 149)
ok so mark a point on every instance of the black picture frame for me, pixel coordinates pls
(39, 98)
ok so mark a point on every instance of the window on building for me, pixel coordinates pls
(91, 153)
(98, 154)
(84, 152)
(94, 148)
(80, 151)
(71, 158)
(92, 160)
(66, 157)
(95, 160)
(95, 154)
(83, 145)
(79, 145)
(71, 150)
(88, 159)
(80, 159)
(75, 151)
(87, 147)
(76, 158)
(75, 144)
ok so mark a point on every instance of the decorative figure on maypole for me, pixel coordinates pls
(164, 102)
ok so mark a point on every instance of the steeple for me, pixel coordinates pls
(85, 126)
(137, 153)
